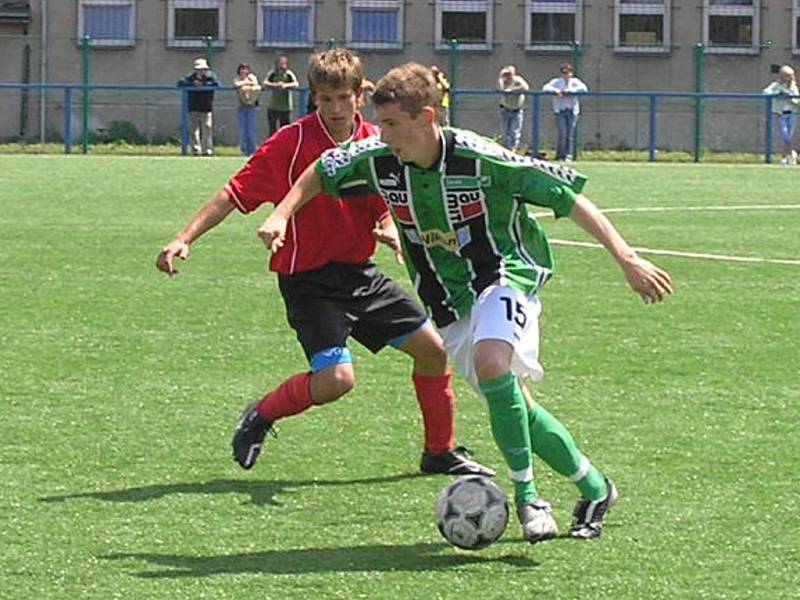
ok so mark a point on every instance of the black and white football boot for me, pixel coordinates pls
(249, 436)
(590, 515)
(453, 462)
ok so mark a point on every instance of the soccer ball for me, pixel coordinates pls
(472, 512)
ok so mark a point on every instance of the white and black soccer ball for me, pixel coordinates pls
(472, 512)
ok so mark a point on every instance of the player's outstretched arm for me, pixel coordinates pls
(273, 231)
(650, 282)
(210, 215)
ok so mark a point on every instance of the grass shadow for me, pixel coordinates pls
(373, 558)
(262, 493)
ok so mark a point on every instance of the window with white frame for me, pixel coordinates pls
(642, 25)
(285, 23)
(731, 26)
(190, 22)
(375, 24)
(470, 22)
(796, 27)
(553, 24)
(107, 22)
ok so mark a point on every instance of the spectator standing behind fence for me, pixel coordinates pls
(279, 81)
(443, 85)
(511, 105)
(201, 106)
(247, 90)
(784, 109)
(566, 108)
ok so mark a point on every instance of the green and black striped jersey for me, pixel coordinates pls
(464, 223)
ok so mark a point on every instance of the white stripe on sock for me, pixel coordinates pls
(523, 475)
(583, 469)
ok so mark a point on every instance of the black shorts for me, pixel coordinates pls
(330, 304)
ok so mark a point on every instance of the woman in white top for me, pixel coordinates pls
(784, 110)
(566, 108)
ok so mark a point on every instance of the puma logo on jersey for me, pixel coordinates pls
(391, 180)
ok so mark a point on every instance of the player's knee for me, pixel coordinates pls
(432, 358)
(428, 351)
(333, 383)
(492, 360)
(486, 371)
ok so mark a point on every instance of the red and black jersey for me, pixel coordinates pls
(326, 229)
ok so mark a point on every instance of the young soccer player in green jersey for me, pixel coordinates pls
(477, 259)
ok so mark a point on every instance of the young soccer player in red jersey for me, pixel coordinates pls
(331, 289)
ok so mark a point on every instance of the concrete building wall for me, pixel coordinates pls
(606, 122)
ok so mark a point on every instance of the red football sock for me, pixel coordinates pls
(437, 401)
(291, 397)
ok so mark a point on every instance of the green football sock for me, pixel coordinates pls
(508, 418)
(552, 442)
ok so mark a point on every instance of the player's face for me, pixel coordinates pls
(411, 139)
(337, 107)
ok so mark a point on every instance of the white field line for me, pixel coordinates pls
(688, 209)
(723, 257)
(699, 208)
(726, 257)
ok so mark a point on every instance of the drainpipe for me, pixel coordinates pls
(43, 75)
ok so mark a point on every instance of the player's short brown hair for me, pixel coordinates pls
(412, 86)
(336, 68)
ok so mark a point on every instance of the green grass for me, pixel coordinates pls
(121, 148)
(120, 389)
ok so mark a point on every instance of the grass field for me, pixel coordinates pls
(120, 390)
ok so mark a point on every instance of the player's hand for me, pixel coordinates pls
(650, 282)
(165, 259)
(387, 234)
(273, 232)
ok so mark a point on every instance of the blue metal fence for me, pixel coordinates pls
(534, 99)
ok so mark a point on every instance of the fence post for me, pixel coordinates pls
(67, 120)
(768, 131)
(577, 59)
(535, 123)
(86, 49)
(653, 128)
(24, 92)
(699, 67)
(209, 49)
(184, 121)
(455, 56)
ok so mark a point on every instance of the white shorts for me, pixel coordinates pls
(500, 313)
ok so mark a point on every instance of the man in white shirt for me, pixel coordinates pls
(566, 108)
(511, 105)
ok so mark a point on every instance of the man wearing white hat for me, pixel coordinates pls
(201, 105)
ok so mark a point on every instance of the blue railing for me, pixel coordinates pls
(535, 101)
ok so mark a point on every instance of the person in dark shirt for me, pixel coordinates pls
(201, 106)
